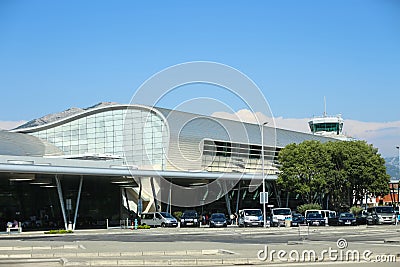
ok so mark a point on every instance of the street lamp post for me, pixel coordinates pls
(263, 175)
(398, 184)
(398, 148)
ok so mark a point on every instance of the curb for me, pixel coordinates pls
(40, 248)
(165, 262)
(116, 254)
(21, 261)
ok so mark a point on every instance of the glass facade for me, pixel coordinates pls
(145, 139)
(138, 134)
(221, 156)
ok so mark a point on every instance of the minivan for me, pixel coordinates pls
(381, 215)
(250, 217)
(155, 219)
(280, 215)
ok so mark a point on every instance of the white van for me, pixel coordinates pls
(155, 219)
(325, 214)
(250, 217)
(280, 215)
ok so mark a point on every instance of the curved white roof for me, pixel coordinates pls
(17, 144)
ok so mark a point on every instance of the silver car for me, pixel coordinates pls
(155, 219)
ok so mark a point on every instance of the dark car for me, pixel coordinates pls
(372, 218)
(218, 220)
(361, 218)
(344, 218)
(298, 219)
(315, 219)
(190, 218)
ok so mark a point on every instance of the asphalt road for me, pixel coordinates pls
(233, 235)
(245, 242)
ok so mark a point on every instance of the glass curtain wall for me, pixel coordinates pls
(139, 135)
(224, 156)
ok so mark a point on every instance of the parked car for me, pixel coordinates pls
(315, 219)
(250, 217)
(298, 219)
(344, 218)
(155, 219)
(280, 215)
(190, 218)
(381, 215)
(326, 214)
(218, 220)
(373, 218)
(361, 217)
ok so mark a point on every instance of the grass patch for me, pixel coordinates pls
(59, 232)
(143, 227)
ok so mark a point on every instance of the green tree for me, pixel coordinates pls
(338, 184)
(343, 171)
(177, 214)
(356, 209)
(304, 168)
(308, 206)
(359, 170)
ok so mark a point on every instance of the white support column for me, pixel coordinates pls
(169, 199)
(60, 196)
(153, 189)
(139, 209)
(227, 201)
(78, 198)
(237, 200)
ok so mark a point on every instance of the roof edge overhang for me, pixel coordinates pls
(112, 172)
(87, 113)
(28, 165)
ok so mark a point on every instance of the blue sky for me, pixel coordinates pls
(59, 54)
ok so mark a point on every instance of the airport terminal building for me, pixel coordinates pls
(114, 161)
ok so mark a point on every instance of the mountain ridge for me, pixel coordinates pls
(392, 167)
(61, 115)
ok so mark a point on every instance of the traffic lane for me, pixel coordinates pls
(336, 263)
(210, 235)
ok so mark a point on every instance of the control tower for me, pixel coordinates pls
(325, 125)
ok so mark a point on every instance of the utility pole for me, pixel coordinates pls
(263, 173)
